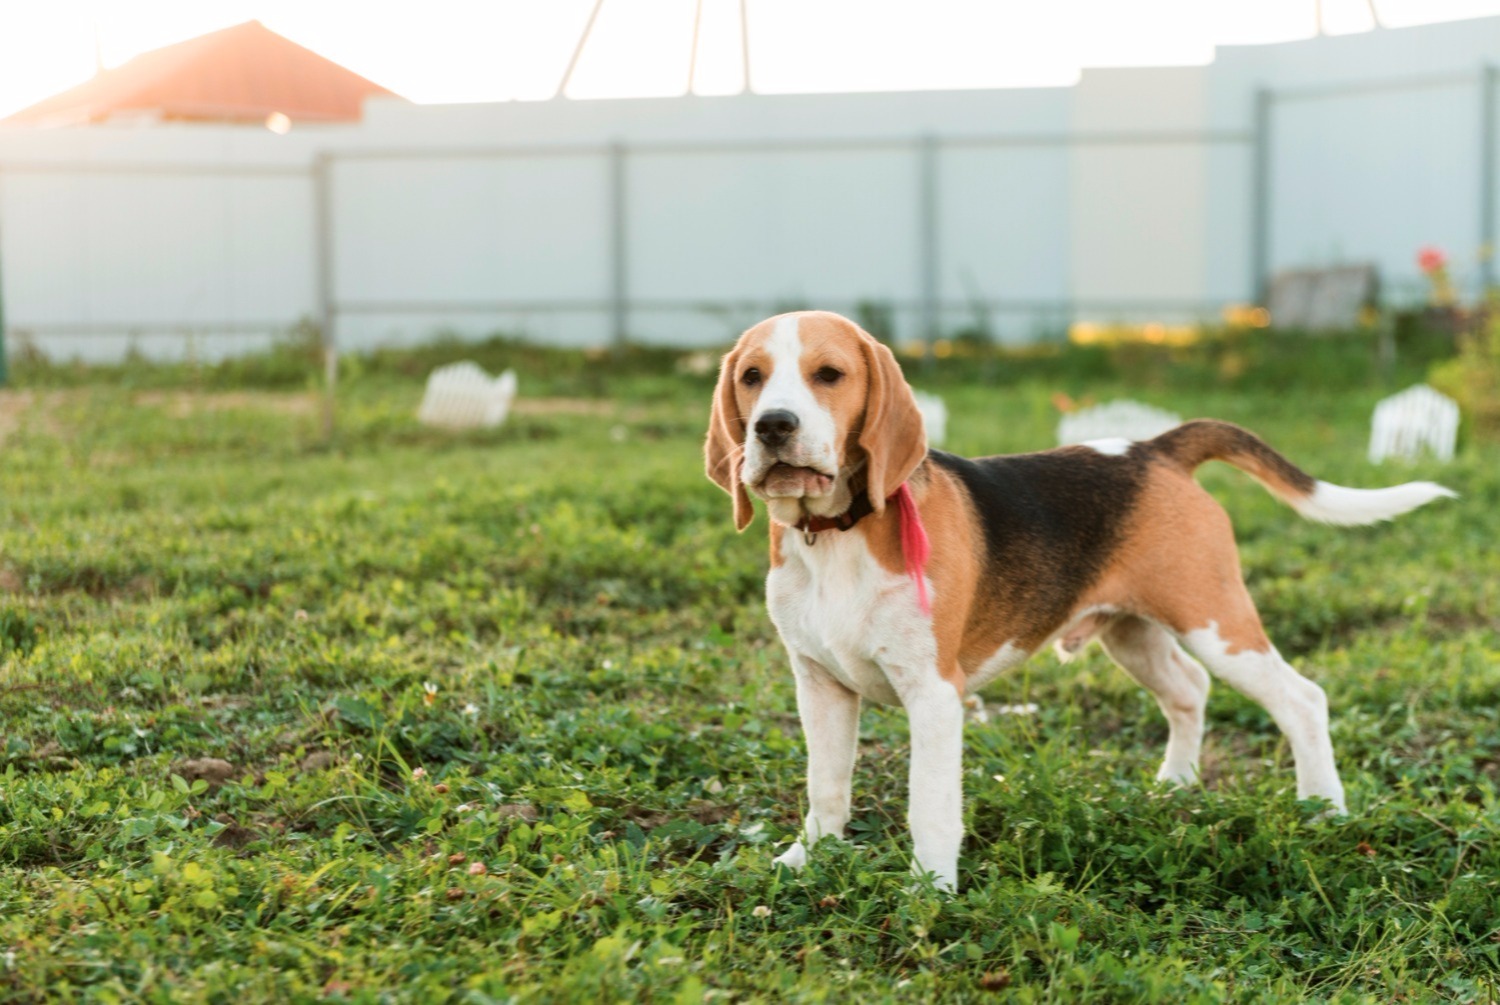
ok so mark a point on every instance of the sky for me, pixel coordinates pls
(502, 50)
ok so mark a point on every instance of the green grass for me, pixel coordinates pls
(544, 651)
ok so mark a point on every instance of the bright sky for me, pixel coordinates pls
(497, 50)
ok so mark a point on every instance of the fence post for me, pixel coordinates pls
(4, 368)
(927, 243)
(1486, 178)
(1260, 199)
(619, 307)
(327, 315)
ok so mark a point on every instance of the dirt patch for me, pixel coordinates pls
(213, 770)
(234, 835)
(185, 404)
(563, 406)
(13, 405)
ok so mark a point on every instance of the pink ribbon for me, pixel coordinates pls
(914, 544)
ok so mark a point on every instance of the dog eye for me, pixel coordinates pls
(828, 375)
(751, 377)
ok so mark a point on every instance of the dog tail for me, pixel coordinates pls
(1193, 443)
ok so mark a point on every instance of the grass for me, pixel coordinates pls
(504, 718)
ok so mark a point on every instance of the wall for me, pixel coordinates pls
(1142, 194)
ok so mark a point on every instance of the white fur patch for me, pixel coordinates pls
(1113, 446)
(1296, 703)
(833, 604)
(1347, 507)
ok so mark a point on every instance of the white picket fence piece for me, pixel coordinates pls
(1123, 419)
(934, 417)
(463, 396)
(1417, 419)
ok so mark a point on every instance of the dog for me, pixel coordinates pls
(909, 576)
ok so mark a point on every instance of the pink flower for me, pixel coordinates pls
(1430, 259)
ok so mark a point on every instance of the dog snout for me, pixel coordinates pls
(776, 426)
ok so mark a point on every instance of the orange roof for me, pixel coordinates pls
(238, 74)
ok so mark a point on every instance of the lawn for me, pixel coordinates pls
(504, 718)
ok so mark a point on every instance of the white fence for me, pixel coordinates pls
(1144, 194)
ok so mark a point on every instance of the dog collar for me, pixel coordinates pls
(859, 508)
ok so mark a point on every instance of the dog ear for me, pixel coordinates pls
(892, 437)
(724, 451)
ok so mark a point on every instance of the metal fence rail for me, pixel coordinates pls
(619, 299)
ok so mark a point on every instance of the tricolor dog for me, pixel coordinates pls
(908, 576)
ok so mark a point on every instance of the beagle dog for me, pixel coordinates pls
(904, 575)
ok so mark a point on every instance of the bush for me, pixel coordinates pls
(1472, 378)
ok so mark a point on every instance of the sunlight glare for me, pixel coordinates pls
(468, 50)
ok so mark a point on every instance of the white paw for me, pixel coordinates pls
(794, 857)
(944, 878)
(1328, 813)
(1177, 776)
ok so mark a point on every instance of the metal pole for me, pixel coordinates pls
(745, 44)
(583, 40)
(927, 215)
(1260, 198)
(618, 304)
(693, 52)
(1375, 14)
(327, 313)
(1486, 178)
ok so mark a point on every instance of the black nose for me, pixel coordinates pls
(775, 426)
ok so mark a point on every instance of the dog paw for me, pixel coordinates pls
(1180, 777)
(943, 879)
(793, 858)
(1330, 813)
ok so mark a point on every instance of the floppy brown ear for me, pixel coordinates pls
(893, 437)
(724, 451)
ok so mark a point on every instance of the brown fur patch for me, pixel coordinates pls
(1179, 565)
(1194, 443)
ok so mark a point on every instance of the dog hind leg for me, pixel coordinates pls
(1149, 653)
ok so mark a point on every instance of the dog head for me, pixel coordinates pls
(805, 404)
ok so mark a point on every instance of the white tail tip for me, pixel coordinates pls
(1346, 507)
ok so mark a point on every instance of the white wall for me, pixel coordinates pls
(164, 241)
(484, 244)
(1127, 196)
(1364, 200)
(1138, 207)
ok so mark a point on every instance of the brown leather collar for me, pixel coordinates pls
(859, 508)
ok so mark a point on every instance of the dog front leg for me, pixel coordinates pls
(830, 721)
(935, 814)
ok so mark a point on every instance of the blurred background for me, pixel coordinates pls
(199, 180)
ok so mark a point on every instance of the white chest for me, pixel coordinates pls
(836, 607)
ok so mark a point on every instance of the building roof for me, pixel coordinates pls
(239, 74)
